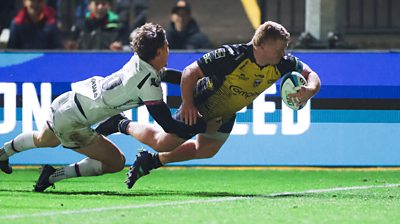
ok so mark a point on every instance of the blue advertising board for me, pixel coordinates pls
(353, 121)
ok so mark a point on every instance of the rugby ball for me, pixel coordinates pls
(291, 83)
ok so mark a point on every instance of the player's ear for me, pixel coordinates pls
(159, 52)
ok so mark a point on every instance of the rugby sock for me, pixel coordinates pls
(22, 142)
(86, 167)
(123, 125)
(156, 161)
(89, 167)
(63, 173)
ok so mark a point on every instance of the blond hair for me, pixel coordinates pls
(270, 30)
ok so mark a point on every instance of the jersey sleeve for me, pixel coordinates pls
(162, 114)
(289, 63)
(171, 75)
(150, 88)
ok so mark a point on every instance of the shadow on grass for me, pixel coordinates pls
(206, 194)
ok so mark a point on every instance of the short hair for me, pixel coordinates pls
(270, 30)
(147, 39)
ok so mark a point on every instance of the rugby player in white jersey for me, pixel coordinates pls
(93, 100)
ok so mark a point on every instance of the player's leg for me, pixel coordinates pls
(102, 157)
(154, 136)
(149, 134)
(72, 129)
(205, 146)
(26, 141)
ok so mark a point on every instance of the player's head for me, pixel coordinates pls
(271, 39)
(150, 43)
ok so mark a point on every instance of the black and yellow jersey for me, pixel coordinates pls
(233, 79)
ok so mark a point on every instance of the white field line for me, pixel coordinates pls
(176, 203)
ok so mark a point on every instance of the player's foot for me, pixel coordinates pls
(4, 164)
(143, 164)
(43, 181)
(111, 125)
(5, 167)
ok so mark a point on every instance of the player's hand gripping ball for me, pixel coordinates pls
(291, 83)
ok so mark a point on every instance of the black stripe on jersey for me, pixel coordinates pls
(140, 85)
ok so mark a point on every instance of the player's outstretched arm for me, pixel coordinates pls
(172, 76)
(190, 76)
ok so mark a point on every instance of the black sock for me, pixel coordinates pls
(156, 161)
(122, 126)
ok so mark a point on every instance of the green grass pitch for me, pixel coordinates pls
(192, 195)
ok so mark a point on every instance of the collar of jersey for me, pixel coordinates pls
(145, 64)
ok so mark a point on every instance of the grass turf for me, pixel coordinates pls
(204, 196)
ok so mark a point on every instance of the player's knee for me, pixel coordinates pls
(208, 153)
(119, 164)
(115, 164)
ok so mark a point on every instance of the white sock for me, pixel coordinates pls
(22, 142)
(63, 173)
(86, 167)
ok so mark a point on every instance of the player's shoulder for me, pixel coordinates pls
(226, 54)
(235, 50)
(139, 67)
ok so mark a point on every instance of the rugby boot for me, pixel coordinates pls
(5, 167)
(145, 161)
(4, 164)
(43, 182)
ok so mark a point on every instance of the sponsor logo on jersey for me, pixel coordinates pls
(94, 87)
(219, 53)
(207, 58)
(239, 91)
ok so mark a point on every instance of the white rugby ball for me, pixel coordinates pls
(291, 83)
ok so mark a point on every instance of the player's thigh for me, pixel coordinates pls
(154, 136)
(210, 145)
(167, 142)
(45, 138)
(104, 151)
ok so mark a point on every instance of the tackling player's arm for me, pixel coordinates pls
(172, 76)
(160, 111)
(190, 75)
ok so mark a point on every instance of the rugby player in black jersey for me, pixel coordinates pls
(224, 81)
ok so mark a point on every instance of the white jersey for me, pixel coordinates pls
(135, 83)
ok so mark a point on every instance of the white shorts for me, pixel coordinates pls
(69, 123)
